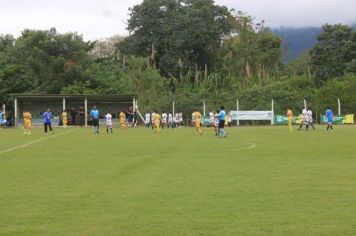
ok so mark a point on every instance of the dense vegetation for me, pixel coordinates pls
(185, 51)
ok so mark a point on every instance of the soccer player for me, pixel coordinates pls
(193, 119)
(94, 113)
(81, 116)
(310, 118)
(197, 119)
(222, 122)
(290, 118)
(130, 116)
(122, 119)
(180, 119)
(65, 118)
(211, 119)
(108, 122)
(27, 122)
(175, 120)
(47, 121)
(164, 119)
(2, 118)
(329, 116)
(157, 120)
(216, 123)
(153, 116)
(170, 120)
(304, 118)
(147, 120)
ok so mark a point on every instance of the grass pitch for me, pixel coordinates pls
(258, 181)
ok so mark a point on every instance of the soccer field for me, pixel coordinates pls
(258, 181)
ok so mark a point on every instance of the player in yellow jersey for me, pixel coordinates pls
(122, 119)
(197, 116)
(65, 118)
(157, 119)
(27, 122)
(290, 118)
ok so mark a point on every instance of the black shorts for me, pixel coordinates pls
(95, 122)
(221, 124)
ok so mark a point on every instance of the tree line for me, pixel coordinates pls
(185, 51)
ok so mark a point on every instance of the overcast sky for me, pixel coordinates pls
(97, 19)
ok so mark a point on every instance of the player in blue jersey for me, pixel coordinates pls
(329, 116)
(221, 126)
(47, 121)
(94, 114)
(2, 118)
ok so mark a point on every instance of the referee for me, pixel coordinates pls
(94, 113)
(222, 122)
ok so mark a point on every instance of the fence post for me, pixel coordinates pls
(4, 111)
(86, 112)
(204, 108)
(16, 112)
(339, 107)
(173, 109)
(64, 103)
(237, 109)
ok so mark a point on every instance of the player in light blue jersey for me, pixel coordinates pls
(329, 116)
(221, 126)
(2, 118)
(94, 114)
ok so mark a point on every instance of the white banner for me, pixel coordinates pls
(252, 115)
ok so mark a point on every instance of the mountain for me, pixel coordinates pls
(297, 40)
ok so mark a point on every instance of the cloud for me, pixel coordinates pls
(103, 18)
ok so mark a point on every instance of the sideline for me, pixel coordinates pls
(36, 141)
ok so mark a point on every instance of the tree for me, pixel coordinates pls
(335, 49)
(106, 48)
(253, 52)
(178, 35)
(299, 66)
(43, 61)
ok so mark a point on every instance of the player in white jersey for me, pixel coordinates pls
(216, 122)
(304, 118)
(193, 120)
(153, 119)
(310, 119)
(211, 119)
(147, 120)
(180, 119)
(175, 120)
(170, 120)
(164, 119)
(108, 122)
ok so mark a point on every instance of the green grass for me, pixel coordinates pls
(135, 182)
